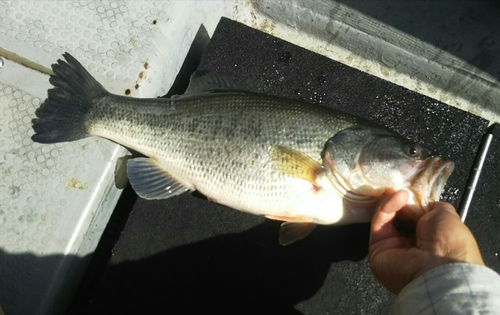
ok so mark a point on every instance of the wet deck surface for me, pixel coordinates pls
(186, 255)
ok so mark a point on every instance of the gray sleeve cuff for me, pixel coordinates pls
(457, 288)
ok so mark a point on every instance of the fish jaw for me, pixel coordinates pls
(427, 186)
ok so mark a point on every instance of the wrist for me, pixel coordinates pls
(432, 263)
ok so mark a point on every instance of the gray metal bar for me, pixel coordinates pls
(474, 176)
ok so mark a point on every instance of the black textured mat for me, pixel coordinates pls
(185, 255)
(484, 213)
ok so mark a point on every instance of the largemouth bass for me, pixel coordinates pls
(285, 159)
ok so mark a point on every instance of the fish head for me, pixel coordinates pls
(369, 161)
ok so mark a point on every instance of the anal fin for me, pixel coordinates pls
(288, 218)
(150, 181)
(291, 232)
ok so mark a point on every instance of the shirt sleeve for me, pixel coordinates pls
(457, 288)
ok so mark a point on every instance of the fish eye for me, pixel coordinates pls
(413, 150)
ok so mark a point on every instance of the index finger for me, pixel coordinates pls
(382, 227)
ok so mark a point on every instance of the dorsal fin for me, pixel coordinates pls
(203, 81)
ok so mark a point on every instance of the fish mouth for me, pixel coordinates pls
(428, 185)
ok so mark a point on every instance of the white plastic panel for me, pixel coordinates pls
(113, 39)
(56, 199)
(49, 193)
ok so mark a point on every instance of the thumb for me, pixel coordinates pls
(382, 227)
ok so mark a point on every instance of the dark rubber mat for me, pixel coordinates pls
(186, 255)
(484, 213)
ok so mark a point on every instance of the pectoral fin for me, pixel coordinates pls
(150, 181)
(295, 163)
(291, 232)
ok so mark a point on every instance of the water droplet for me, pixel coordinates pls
(316, 98)
(285, 57)
(321, 78)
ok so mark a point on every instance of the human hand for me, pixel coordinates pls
(440, 238)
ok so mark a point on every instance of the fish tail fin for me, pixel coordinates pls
(63, 115)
